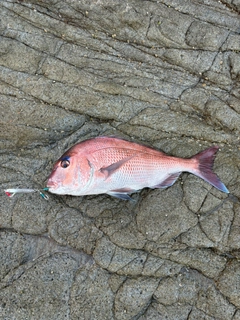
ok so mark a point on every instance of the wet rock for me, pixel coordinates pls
(213, 303)
(91, 294)
(229, 283)
(32, 123)
(191, 288)
(204, 35)
(37, 275)
(200, 259)
(171, 122)
(49, 281)
(71, 228)
(157, 310)
(133, 297)
(131, 262)
(27, 218)
(213, 229)
(236, 315)
(13, 251)
(234, 236)
(160, 220)
(164, 73)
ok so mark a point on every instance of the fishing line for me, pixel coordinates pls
(11, 192)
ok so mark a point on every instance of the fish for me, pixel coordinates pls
(119, 168)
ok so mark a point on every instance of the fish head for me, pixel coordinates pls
(65, 177)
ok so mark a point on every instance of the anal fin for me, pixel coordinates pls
(168, 182)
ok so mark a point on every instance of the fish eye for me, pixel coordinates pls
(65, 163)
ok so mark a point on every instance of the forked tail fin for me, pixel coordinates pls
(205, 161)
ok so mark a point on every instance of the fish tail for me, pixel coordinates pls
(204, 170)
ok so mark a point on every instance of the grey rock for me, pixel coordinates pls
(133, 297)
(229, 283)
(91, 294)
(36, 277)
(236, 315)
(164, 73)
(132, 262)
(191, 288)
(78, 232)
(160, 220)
(159, 311)
(205, 36)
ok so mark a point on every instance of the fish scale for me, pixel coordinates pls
(136, 169)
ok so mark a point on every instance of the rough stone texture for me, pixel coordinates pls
(165, 73)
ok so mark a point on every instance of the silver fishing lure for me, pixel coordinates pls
(11, 192)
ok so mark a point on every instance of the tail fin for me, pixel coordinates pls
(205, 168)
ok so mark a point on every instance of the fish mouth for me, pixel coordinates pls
(51, 184)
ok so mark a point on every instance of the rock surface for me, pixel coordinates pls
(165, 73)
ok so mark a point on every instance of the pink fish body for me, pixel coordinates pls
(119, 167)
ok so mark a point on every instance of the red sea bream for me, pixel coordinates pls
(119, 167)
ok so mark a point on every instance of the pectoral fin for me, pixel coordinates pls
(169, 181)
(108, 171)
